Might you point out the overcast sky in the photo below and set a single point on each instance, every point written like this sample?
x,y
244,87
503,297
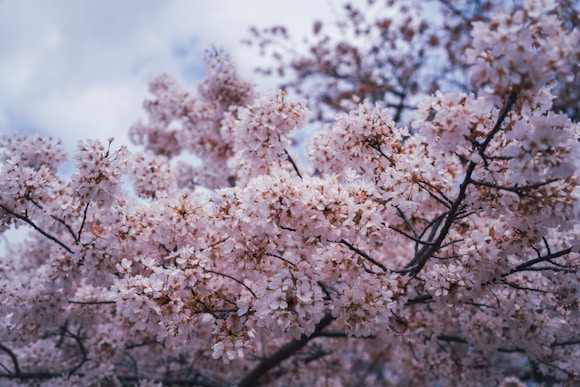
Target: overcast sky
x,y
79,69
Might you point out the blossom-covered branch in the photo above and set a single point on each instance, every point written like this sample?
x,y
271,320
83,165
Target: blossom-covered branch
x,y
442,252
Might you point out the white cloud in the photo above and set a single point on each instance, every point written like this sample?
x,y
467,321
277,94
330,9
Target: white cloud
x,y
79,69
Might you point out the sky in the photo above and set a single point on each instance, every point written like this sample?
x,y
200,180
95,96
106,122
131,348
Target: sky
x,y
78,69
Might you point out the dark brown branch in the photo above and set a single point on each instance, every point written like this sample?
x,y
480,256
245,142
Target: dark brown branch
x,y
434,226
516,189
252,379
12,357
519,287
280,258
25,219
451,338
550,268
31,375
497,127
84,357
364,255
423,298
91,302
566,343
417,240
83,223
55,218
443,199
131,346
524,266
452,243
195,381
407,222
293,164
343,335
547,245
378,149
419,261
233,279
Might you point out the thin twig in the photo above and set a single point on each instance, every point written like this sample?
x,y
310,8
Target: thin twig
x,y
84,359
91,302
519,190
280,258
417,240
293,164
252,378
526,265
233,279
83,222
25,219
443,199
364,255
378,149
13,358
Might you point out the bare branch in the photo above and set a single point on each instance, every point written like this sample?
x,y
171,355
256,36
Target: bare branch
x,y
280,258
443,199
83,222
364,255
526,265
293,164
91,302
520,190
84,357
13,358
378,149
233,279
419,241
282,354
27,220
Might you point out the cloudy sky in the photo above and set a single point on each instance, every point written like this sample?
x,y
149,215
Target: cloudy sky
x,y
79,69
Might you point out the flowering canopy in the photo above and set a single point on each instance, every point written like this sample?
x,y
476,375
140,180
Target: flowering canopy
x,y
447,251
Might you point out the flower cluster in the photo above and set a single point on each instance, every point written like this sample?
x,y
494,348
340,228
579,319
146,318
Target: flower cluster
x,y
152,175
502,55
287,304
170,103
447,255
180,122
28,165
454,121
32,151
365,306
98,171
261,135
375,142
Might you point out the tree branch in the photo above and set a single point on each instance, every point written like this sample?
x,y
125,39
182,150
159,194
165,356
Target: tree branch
x,y
83,223
293,164
364,255
84,356
528,264
282,354
518,190
419,261
91,302
25,219
233,279
12,357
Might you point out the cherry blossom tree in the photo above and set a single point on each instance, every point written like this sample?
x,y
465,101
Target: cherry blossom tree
x,y
390,51
446,252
